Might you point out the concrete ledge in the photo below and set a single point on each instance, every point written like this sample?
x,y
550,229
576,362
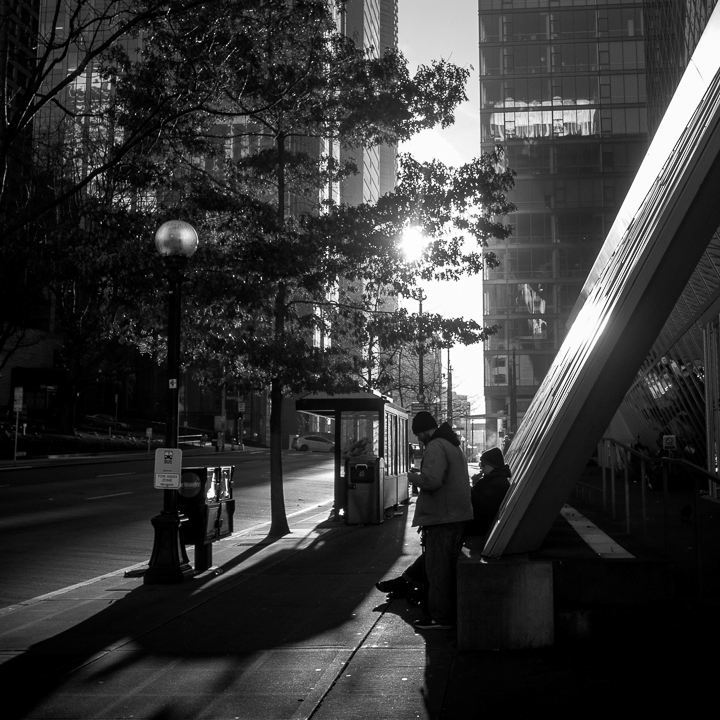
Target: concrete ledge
x,y
580,585
521,602
505,604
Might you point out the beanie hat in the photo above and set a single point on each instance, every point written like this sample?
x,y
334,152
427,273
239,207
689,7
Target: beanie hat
x,y
493,457
423,421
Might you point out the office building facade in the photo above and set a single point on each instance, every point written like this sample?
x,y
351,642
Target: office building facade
x,y
646,319
563,88
627,58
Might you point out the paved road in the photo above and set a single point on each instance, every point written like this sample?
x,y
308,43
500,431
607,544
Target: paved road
x,y
63,523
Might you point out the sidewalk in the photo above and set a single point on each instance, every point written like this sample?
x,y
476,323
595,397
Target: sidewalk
x,y
295,629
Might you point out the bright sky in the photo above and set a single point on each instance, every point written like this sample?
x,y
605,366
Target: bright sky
x,y
428,32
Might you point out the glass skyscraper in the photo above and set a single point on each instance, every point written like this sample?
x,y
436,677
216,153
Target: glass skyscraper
x,y
563,88
641,359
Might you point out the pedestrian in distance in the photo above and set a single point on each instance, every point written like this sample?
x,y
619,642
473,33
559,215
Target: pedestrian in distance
x,y
442,511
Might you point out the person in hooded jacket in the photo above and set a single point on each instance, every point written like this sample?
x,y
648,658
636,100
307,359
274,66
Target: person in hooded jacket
x,y
489,487
442,511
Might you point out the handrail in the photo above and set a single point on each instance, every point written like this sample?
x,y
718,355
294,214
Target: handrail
x,y
668,518
664,460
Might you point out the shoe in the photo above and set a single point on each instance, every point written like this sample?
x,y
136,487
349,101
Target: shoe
x,y
430,624
398,586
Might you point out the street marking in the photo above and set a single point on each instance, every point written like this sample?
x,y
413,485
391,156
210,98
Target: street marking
x,y
102,497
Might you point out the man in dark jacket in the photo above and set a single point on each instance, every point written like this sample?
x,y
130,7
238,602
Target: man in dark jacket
x,y
442,510
489,488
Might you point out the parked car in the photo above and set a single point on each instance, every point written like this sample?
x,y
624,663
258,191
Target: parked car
x,y
314,441
104,421
253,440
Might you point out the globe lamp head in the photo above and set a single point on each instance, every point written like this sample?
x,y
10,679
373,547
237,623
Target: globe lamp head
x,y
176,238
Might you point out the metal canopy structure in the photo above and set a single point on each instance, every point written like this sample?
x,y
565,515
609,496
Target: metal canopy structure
x,y
327,404
659,252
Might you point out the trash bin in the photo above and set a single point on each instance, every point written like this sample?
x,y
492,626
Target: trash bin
x,y
364,477
205,499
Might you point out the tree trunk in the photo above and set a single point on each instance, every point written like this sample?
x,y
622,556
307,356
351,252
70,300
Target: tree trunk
x,y
279,524
278,518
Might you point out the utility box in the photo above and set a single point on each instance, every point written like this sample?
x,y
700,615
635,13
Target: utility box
x,y
205,499
365,478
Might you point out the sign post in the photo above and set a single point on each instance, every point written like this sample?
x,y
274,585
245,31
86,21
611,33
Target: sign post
x,y
17,406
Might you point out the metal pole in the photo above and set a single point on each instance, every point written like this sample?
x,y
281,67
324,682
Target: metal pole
x,y
604,450
697,538
17,430
421,354
627,494
173,366
169,561
513,394
643,499
449,390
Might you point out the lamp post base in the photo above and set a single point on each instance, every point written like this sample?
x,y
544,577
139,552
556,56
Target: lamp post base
x,y
169,561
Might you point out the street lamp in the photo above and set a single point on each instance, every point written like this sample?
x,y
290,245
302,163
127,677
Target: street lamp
x,y
176,241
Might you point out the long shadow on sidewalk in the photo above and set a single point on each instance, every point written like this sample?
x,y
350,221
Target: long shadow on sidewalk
x,y
208,634
440,653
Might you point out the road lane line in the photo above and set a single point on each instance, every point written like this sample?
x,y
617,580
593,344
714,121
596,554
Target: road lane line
x,y
102,497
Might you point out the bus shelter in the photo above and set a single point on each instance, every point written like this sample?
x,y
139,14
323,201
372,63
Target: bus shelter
x,y
371,452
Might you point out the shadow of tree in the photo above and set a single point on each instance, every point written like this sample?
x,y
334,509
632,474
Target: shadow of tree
x,y
302,593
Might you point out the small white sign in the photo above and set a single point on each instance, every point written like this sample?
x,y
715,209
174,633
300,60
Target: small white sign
x,y
416,407
18,400
168,468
